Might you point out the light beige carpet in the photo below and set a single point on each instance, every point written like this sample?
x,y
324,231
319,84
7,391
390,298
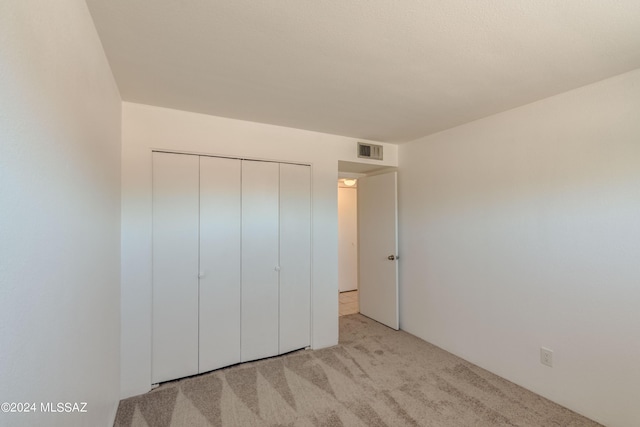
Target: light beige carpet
x,y
374,377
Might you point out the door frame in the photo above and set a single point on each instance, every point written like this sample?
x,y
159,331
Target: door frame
x,y
365,170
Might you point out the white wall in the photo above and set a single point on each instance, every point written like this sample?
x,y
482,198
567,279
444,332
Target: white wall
x,y
60,116
347,238
522,230
146,128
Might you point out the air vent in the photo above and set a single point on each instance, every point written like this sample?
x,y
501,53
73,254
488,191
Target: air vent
x,y
369,151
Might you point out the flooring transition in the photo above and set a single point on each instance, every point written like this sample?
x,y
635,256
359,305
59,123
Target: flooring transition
x,y
374,377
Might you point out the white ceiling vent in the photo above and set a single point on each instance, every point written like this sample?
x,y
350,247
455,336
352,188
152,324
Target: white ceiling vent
x,y
369,151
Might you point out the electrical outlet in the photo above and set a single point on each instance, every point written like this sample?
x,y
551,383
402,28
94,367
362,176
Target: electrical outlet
x,y
546,357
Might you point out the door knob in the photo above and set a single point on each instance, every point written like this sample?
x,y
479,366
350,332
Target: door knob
x,y
391,257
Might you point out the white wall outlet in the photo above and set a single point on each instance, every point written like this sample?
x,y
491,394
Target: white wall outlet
x,y
546,356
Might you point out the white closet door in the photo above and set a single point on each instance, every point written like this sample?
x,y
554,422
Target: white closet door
x,y
259,260
175,266
220,215
295,257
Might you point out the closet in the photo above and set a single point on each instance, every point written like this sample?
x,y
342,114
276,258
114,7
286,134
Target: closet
x,y
231,262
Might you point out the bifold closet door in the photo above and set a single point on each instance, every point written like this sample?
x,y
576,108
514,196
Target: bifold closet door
x,y
295,257
260,312
175,266
220,222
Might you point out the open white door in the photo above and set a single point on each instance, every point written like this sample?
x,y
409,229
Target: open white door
x,y
378,247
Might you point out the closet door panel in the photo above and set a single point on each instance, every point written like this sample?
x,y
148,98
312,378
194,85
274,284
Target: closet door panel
x,y
259,336
220,222
175,266
295,257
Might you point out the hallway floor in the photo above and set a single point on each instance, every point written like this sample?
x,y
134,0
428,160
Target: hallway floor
x,y
348,303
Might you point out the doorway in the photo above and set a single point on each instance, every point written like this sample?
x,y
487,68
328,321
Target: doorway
x,y
348,246
368,245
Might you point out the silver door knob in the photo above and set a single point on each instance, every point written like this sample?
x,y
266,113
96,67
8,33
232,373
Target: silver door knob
x,y
391,257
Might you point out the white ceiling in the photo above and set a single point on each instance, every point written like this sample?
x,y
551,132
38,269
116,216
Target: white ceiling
x,y
386,70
